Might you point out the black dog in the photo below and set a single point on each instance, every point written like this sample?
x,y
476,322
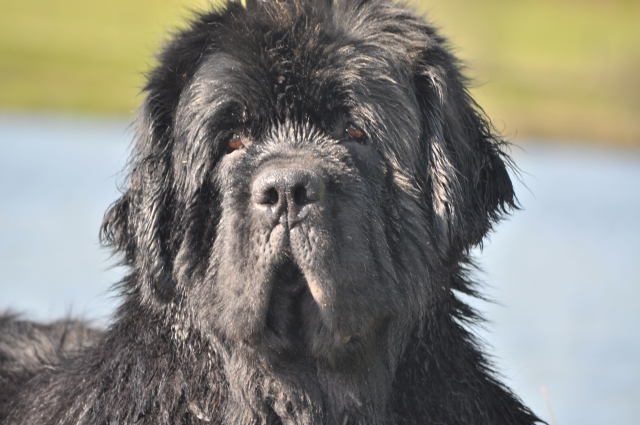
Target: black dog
x,y
306,183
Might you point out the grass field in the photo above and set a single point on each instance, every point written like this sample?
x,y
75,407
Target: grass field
x,y
561,69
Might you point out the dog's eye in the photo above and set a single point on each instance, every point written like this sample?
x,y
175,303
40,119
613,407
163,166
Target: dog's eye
x,y
235,142
356,133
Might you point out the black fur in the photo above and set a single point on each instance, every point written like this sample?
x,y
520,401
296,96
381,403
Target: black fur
x,y
308,275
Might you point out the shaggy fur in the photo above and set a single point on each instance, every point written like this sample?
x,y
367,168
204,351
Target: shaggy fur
x,y
306,182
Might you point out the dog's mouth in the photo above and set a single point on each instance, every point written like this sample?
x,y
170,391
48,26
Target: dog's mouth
x,y
289,303
305,296
294,329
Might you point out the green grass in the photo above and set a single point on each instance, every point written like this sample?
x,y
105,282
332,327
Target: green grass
x,y
564,69
81,55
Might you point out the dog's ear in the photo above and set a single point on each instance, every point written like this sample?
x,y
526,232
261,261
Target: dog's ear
x,y
138,226
467,182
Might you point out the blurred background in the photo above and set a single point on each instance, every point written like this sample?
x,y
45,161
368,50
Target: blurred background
x,y
559,78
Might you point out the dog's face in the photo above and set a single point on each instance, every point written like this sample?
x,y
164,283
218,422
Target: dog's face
x,y
314,138
304,180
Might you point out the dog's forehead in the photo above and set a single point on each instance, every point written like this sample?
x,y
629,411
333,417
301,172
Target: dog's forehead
x,y
306,68
279,75
282,59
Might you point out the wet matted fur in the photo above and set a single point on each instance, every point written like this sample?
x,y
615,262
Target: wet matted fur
x,y
306,182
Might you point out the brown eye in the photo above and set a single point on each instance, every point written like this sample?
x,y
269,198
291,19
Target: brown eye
x,y
235,142
355,133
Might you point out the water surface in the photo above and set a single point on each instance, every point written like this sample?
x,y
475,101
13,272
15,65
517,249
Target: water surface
x,y
565,269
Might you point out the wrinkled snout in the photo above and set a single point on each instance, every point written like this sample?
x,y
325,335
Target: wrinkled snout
x,y
287,195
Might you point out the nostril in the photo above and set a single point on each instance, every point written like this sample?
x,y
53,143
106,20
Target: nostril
x,y
300,196
271,197
310,190
266,195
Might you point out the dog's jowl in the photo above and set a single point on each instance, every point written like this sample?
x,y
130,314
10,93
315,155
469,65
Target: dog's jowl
x,y
306,182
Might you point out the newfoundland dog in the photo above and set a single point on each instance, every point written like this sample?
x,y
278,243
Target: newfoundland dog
x,y
306,183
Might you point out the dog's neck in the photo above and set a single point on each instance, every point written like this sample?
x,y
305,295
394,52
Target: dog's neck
x,y
261,392
185,377
211,381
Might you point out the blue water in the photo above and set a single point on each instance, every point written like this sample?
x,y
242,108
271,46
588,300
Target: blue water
x,y
565,270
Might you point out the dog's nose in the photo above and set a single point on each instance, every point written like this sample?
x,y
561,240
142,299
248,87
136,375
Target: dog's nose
x,y
287,194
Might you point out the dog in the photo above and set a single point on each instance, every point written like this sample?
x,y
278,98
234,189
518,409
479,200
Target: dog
x,y
305,185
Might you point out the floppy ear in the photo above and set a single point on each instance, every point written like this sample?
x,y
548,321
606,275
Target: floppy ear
x,y
140,223
136,224
467,180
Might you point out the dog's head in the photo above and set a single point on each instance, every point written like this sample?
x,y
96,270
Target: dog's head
x,y
305,176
